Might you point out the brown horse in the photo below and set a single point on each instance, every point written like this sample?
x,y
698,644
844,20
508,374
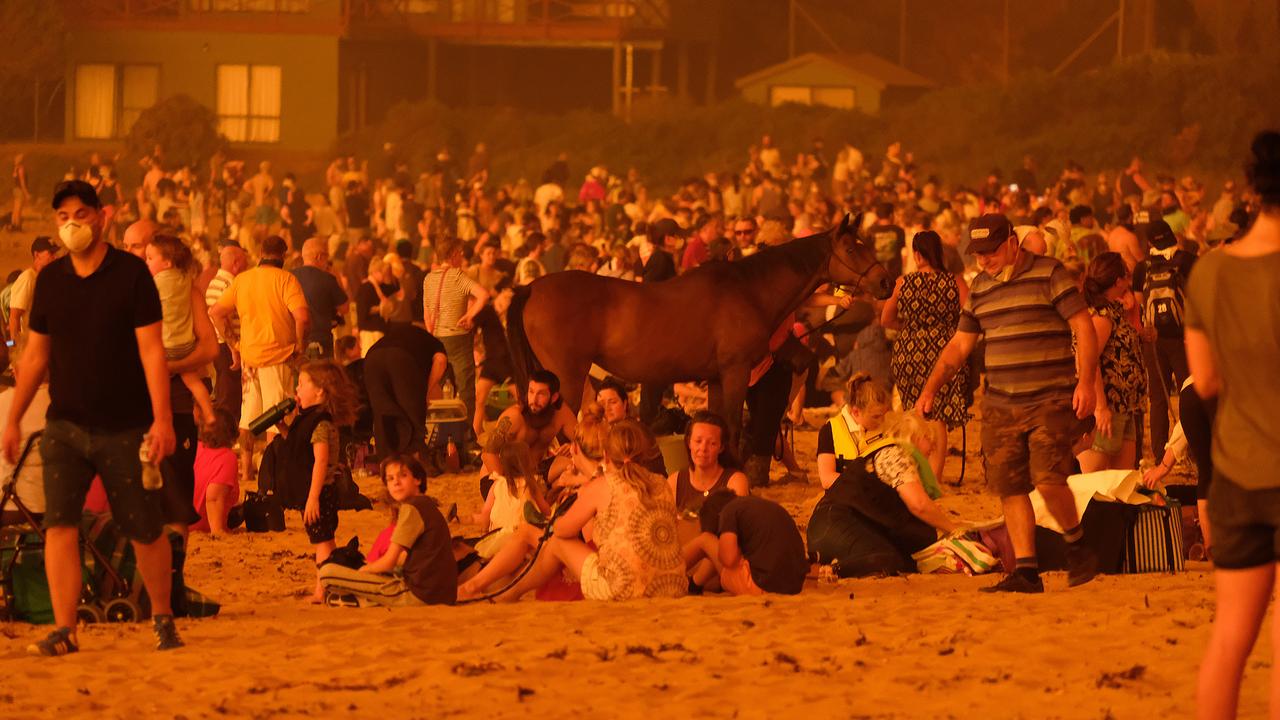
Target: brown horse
x,y
713,323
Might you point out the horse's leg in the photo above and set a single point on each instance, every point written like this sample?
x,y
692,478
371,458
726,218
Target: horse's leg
x,y
732,392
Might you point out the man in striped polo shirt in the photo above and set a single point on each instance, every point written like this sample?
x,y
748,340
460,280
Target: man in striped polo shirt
x,y
1038,390
450,302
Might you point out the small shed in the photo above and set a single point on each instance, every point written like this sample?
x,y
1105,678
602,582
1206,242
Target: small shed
x,y
849,82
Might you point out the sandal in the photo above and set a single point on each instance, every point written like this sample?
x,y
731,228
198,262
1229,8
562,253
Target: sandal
x,y
56,643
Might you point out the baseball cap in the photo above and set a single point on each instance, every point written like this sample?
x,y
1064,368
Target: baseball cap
x,y
988,232
665,227
1159,234
43,243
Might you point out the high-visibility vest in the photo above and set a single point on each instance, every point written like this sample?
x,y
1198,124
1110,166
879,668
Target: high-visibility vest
x,y
849,447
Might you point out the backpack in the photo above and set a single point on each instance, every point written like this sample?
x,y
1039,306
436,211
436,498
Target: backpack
x,y
1164,304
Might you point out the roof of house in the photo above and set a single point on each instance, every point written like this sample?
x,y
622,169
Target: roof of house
x,y
879,70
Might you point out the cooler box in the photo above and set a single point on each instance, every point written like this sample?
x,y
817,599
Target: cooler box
x,y
447,420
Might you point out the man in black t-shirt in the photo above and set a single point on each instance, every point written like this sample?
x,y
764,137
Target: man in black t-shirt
x,y
753,543
401,370
96,331
888,239
326,299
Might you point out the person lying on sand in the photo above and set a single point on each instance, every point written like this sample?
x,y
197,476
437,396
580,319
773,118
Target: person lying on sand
x,y
428,574
753,544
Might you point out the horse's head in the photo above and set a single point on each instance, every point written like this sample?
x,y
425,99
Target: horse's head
x,y
853,262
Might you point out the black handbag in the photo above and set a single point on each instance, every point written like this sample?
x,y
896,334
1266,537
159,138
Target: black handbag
x,y
262,512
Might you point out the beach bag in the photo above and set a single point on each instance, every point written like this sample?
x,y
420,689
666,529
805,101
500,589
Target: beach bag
x,y
955,554
263,512
25,596
1163,300
1155,540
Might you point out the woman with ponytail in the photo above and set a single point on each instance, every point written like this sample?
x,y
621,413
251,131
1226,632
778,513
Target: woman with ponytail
x,y
1122,385
1233,349
925,309
637,550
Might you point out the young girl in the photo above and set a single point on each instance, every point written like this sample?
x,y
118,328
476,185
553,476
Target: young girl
x,y
428,575
217,484
169,261
326,401
504,506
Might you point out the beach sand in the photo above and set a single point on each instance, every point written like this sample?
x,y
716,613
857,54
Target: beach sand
x,y
906,647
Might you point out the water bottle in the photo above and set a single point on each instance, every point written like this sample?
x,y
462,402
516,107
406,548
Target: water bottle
x,y
151,477
447,390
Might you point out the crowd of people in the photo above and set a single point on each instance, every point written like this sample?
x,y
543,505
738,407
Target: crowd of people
x,y
1064,305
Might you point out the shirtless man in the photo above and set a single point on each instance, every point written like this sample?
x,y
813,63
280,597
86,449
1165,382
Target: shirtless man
x,y
537,421
1121,238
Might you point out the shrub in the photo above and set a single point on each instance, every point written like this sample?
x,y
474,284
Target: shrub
x,y
184,129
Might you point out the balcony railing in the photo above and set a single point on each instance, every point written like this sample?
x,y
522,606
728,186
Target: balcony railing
x,y
445,18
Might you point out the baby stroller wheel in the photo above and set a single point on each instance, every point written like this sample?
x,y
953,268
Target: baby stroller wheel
x,y
123,610
89,615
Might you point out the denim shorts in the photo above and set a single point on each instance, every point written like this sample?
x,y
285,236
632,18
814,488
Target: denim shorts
x,y
1246,525
73,455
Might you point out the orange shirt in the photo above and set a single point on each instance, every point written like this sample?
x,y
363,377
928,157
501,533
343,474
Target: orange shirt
x,y
265,297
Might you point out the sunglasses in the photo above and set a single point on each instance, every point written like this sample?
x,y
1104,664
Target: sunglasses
x,y
744,232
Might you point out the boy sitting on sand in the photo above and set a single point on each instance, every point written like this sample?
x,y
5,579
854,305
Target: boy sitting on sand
x,y
753,544
428,575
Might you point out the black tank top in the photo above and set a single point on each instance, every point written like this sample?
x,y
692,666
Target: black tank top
x,y
689,498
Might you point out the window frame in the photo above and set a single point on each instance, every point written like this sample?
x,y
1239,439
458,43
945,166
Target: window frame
x,y
249,117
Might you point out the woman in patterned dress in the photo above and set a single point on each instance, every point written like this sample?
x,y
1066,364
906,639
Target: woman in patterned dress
x,y
1122,390
639,554
925,309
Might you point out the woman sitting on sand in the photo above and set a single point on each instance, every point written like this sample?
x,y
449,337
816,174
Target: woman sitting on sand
x,y
586,455
876,513
634,528
710,470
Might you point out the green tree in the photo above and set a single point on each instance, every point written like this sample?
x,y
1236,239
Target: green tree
x,y
185,130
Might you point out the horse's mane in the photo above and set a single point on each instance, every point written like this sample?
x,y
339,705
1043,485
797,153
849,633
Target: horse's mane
x,y
803,255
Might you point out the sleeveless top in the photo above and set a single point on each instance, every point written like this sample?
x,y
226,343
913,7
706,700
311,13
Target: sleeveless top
x,y
508,510
639,554
689,498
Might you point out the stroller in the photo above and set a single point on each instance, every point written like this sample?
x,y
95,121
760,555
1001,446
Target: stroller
x,y
105,596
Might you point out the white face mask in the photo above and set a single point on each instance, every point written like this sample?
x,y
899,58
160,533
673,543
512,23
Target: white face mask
x,y
77,237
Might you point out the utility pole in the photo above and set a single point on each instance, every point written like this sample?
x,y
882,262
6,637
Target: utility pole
x,y
1006,41
1120,32
791,29
902,33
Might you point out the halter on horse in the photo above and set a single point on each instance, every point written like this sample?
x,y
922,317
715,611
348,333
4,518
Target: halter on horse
x,y
713,323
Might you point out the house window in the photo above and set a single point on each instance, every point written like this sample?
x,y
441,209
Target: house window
x,y
836,97
249,103
139,90
781,94
95,101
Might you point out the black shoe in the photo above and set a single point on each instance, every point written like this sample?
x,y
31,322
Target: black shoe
x,y
1017,583
1082,564
55,643
166,633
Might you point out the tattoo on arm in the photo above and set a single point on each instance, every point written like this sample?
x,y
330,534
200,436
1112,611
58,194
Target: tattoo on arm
x,y
498,437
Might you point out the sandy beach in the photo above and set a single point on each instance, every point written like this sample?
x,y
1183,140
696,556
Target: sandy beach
x,y
906,647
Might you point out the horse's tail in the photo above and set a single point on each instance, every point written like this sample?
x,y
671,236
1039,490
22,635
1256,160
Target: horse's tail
x,y
523,361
